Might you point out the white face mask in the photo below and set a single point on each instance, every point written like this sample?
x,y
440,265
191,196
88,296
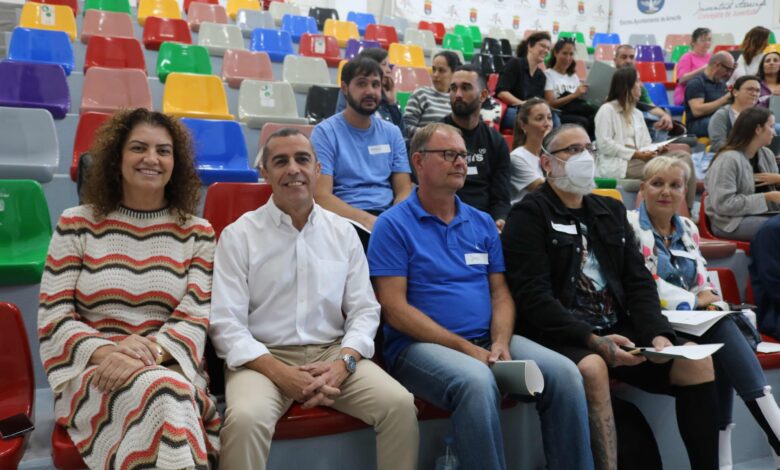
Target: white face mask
x,y
579,171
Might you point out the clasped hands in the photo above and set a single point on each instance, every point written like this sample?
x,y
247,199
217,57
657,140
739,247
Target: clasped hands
x,y
116,363
315,384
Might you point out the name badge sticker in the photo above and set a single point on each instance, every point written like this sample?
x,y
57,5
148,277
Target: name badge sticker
x,y
472,170
682,254
570,229
377,149
476,258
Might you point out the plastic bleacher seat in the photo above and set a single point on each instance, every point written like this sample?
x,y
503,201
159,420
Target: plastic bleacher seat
x,y
277,44
654,72
184,58
226,202
706,233
248,20
319,45
303,72
488,64
402,97
725,47
772,48
85,134
220,151
343,31
492,83
649,53
410,78
159,30
356,46
476,35
17,383
233,6
49,17
116,53
637,39
435,27
206,13
196,96
158,8
30,149
406,55
338,72
321,103
674,40
613,193
322,14
421,37
117,6
107,90
456,42
576,35
383,34
605,52
297,25
64,454
72,4
260,102
400,24
678,52
465,32
272,127
34,85
659,97
106,23
40,45
722,38
25,231
218,38
187,4
279,9
240,65
362,20
605,38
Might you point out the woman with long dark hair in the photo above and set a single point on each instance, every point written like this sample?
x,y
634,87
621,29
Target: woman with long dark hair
x,y
752,47
564,90
769,76
523,77
744,95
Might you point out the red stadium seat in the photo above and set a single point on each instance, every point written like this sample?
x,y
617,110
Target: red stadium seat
x,y
226,202
320,45
115,53
85,133
725,47
435,27
64,454
729,289
492,82
653,72
159,30
17,383
383,34
704,229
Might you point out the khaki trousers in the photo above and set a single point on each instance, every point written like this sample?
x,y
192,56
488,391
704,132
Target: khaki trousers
x,y
636,168
255,404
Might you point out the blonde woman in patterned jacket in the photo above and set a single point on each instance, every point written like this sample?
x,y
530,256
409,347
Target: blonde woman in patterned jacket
x,y
124,304
670,246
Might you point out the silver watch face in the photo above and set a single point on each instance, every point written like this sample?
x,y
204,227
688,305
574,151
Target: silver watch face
x,y
350,362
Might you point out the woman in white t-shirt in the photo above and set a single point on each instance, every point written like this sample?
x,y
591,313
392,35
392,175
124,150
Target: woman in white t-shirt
x,y
564,90
533,122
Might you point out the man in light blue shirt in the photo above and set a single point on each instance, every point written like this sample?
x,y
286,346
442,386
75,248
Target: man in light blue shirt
x,y
365,169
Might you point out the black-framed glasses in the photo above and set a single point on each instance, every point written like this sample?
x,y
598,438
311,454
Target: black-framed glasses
x,y
574,149
448,154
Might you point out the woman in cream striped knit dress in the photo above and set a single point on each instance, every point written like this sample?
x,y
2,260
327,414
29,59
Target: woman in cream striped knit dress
x,y
124,304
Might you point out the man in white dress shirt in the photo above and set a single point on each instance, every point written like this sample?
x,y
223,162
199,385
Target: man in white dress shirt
x,y
293,313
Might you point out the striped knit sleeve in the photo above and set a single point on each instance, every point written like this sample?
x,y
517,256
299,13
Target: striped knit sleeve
x,y
66,343
184,334
413,112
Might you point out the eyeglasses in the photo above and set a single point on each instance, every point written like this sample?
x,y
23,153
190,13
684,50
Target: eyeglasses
x,y
731,69
574,149
448,154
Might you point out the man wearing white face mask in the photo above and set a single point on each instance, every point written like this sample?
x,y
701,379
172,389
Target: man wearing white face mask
x,y
581,289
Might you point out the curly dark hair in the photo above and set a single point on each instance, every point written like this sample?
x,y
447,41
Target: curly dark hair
x,y
103,186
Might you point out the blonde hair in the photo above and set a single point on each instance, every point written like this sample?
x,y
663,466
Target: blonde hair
x,y
661,163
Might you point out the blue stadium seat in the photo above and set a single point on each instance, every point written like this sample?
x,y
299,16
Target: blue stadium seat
x,y
657,92
297,25
605,38
276,43
361,20
39,45
220,151
34,85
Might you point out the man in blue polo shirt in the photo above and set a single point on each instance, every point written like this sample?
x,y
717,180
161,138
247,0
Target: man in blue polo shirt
x,y
439,275
365,169
706,92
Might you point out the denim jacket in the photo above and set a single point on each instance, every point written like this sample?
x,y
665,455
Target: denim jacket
x,y
542,250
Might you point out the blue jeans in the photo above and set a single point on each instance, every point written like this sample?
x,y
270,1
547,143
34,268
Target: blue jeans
x,y
457,382
736,368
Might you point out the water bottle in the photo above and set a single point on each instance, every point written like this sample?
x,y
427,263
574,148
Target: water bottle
x,y
448,461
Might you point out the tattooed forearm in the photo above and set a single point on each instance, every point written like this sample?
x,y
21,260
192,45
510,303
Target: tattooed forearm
x,y
603,435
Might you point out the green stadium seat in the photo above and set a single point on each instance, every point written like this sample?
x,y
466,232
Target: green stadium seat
x,y
25,231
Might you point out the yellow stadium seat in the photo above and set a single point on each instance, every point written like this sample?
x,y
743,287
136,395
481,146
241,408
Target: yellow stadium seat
x,y
613,193
197,96
338,74
158,8
50,17
343,31
406,55
234,5
772,48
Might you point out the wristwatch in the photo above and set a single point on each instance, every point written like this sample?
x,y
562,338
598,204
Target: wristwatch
x,y
350,362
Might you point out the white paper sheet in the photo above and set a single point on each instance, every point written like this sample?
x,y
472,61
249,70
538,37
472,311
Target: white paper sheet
x,y
768,348
693,352
518,377
693,322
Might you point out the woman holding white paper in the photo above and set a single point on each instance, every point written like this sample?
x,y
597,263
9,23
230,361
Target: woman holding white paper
x,y
622,137
670,246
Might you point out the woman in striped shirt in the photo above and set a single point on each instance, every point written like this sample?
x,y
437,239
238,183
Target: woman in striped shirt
x,y
431,104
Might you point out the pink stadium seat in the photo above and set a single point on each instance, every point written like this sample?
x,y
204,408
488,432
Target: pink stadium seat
x,y
581,70
188,2
107,90
116,53
272,127
85,134
159,30
409,78
320,45
605,52
206,13
238,65
106,23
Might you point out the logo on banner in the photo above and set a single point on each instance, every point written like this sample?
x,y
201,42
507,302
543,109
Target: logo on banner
x,y
592,32
427,6
515,22
649,7
542,4
556,27
473,15
581,7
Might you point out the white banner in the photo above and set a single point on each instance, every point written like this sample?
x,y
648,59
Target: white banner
x,y
663,17
586,16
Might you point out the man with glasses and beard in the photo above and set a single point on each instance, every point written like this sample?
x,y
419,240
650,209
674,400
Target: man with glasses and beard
x,y
487,185
365,168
